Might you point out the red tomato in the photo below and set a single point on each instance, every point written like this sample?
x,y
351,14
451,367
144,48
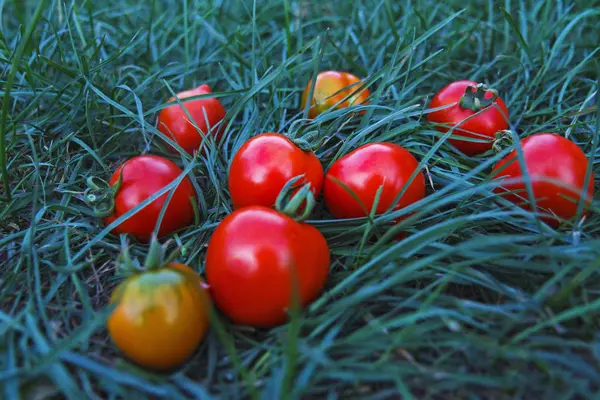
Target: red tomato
x,y
330,89
255,256
363,171
481,127
547,156
174,122
264,164
142,177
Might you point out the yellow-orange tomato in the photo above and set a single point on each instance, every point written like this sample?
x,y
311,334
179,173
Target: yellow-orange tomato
x,y
331,88
161,316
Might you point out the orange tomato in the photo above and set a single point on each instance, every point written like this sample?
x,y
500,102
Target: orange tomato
x,y
161,316
330,89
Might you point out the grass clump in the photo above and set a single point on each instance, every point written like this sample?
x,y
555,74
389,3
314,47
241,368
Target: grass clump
x,y
479,301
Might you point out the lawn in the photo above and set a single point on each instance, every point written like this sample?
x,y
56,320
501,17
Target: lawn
x,y
480,300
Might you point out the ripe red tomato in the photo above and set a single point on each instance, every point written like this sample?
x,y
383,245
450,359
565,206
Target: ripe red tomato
x,y
255,256
142,177
331,88
363,171
174,122
481,127
264,164
547,156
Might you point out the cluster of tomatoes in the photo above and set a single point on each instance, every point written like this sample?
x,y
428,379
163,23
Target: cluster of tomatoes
x,y
263,259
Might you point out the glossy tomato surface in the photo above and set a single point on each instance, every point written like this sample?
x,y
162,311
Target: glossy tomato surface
x,y
206,113
255,256
363,171
264,164
331,88
547,156
161,316
481,127
143,176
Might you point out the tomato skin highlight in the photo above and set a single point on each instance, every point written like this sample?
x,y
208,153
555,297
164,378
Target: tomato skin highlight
x,y
264,164
331,87
142,177
547,155
254,256
174,122
363,171
161,316
482,127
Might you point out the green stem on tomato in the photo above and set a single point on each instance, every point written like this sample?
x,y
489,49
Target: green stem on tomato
x,y
100,195
126,265
502,140
475,100
157,254
156,257
291,200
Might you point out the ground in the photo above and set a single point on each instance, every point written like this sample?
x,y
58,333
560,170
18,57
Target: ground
x,y
480,301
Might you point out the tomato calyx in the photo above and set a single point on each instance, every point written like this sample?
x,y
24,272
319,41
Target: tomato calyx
x,y
502,140
475,100
100,195
156,257
296,203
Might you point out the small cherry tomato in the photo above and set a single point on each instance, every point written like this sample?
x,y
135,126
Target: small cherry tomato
x,y
161,316
141,177
264,164
547,156
206,113
466,99
330,89
364,171
255,259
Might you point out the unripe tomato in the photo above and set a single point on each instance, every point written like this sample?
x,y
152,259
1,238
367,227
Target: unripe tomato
x,y
467,102
363,171
254,258
161,316
264,164
142,177
206,113
331,88
547,156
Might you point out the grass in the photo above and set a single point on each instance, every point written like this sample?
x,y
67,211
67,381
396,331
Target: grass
x,y
480,301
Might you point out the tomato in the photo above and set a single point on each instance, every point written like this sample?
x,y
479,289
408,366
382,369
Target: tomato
x,y
160,317
141,178
264,164
331,88
255,259
175,123
465,104
547,156
364,171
